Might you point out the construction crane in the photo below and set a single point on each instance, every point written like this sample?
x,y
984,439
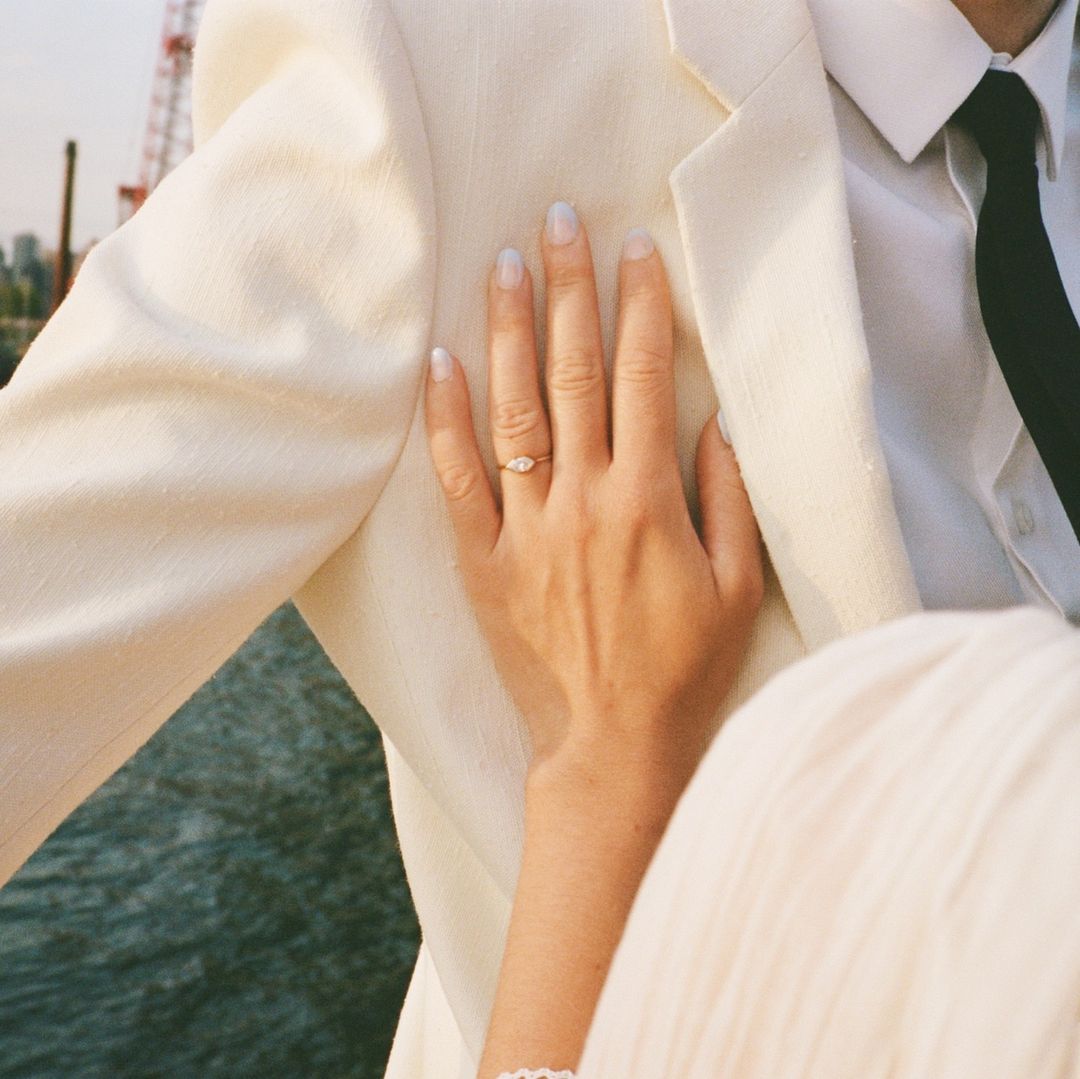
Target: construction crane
x,y
168,127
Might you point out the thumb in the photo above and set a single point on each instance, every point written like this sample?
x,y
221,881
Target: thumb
x,y
729,531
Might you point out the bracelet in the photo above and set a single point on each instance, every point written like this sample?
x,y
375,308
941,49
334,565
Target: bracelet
x,y
542,1073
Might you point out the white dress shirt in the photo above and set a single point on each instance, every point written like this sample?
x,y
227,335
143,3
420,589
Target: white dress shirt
x,y
981,520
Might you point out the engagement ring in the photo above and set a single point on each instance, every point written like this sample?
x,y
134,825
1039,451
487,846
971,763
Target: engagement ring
x,y
524,464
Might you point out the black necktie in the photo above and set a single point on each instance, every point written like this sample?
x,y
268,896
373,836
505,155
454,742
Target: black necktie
x,y
1031,326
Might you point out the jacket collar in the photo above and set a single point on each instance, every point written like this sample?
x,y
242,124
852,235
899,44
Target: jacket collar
x,y
763,218
734,45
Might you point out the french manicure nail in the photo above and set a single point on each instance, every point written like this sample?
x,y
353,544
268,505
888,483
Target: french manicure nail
x,y
562,223
442,366
722,424
637,245
509,268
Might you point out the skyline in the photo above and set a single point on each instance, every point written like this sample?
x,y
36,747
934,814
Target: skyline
x,y
81,72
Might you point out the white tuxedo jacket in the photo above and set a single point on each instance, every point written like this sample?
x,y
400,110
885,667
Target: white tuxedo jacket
x,y
227,409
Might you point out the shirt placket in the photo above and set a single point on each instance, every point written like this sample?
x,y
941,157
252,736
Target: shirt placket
x,y
1013,487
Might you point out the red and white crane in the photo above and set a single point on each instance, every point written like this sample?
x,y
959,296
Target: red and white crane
x,y
168,138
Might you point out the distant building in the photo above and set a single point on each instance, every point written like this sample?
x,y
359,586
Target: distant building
x,y
26,255
26,285
32,273
25,291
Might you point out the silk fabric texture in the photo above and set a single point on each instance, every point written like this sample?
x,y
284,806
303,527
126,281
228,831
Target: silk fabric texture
x,y
227,408
873,873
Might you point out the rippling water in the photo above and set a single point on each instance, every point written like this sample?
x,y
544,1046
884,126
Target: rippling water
x,y
231,903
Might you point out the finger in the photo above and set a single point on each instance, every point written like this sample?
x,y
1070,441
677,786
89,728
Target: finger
x,y
577,395
643,380
729,530
519,423
457,459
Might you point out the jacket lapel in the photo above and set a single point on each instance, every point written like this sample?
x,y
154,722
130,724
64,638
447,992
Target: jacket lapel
x,y
763,216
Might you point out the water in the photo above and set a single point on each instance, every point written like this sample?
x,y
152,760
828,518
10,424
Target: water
x,y
231,903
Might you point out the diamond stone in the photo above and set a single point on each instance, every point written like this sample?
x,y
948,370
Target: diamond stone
x,y
520,464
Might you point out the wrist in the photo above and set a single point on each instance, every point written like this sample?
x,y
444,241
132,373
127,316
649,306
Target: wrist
x,y
619,792
593,770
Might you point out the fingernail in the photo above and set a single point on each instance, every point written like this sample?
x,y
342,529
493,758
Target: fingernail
x,y
442,366
637,245
509,268
722,424
562,223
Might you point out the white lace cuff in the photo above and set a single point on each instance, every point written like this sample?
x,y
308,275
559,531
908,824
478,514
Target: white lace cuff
x,y
540,1073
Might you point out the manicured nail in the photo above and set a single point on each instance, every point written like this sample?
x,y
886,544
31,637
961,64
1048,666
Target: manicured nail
x,y
509,268
442,366
722,424
637,245
562,223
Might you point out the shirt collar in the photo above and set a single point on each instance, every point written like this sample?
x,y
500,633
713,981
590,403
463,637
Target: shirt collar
x,y
909,64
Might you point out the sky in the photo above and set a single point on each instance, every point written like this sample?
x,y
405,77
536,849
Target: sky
x,y
72,69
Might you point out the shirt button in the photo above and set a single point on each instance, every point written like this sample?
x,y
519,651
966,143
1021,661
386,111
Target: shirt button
x,y
1025,522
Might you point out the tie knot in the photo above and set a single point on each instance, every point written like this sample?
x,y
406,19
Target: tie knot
x,y
1003,116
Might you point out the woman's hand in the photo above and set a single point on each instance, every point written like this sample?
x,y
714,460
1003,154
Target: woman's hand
x,y
616,629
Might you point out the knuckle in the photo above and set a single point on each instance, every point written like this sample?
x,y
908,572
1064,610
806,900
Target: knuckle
x,y
645,364
637,502
638,511
576,373
581,530
572,515
640,286
487,585
569,276
509,321
743,586
515,419
459,482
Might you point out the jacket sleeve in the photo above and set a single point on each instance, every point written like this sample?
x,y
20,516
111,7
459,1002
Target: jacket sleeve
x,y
218,401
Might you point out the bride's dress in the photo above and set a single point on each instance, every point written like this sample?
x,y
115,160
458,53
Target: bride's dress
x,y
874,872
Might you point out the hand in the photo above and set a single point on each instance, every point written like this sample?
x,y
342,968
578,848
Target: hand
x,y
615,628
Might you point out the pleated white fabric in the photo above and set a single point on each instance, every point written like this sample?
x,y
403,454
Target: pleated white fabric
x,y
875,871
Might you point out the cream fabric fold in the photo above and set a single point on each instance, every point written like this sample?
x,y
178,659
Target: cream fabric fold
x,y
875,872
226,411
217,403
